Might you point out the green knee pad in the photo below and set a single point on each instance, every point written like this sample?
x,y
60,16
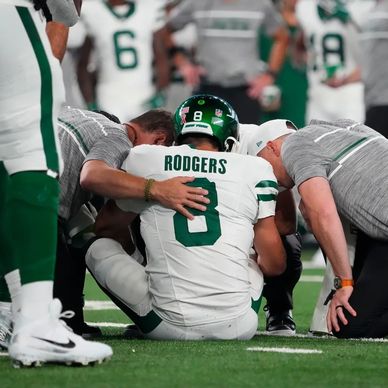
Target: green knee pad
x,y
31,218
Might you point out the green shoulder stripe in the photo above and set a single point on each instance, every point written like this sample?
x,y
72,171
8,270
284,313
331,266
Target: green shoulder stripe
x,y
268,183
266,197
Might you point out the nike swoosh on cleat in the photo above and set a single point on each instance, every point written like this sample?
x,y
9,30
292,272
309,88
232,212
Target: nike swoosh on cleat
x,y
68,345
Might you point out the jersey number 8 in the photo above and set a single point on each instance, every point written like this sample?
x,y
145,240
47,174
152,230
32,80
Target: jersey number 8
x,y
212,217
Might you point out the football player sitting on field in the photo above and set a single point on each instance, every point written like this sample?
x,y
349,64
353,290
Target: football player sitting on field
x,y
199,282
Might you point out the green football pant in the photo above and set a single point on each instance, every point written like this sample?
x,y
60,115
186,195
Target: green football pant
x,y
28,225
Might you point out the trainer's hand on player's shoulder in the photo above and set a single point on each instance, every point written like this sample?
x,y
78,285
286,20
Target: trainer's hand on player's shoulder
x,y
175,194
338,304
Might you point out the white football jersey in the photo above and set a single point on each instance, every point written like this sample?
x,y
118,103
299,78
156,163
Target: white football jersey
x,y
332,49
198,270
330,44
123,43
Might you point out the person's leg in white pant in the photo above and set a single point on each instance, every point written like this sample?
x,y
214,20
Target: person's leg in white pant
x,y
124,280
243,327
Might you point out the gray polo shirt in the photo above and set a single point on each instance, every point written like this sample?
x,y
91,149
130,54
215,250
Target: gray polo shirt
x,y
354,159
84,136
374,56
228,36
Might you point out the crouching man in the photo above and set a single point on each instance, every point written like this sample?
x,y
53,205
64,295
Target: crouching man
x,y
199,281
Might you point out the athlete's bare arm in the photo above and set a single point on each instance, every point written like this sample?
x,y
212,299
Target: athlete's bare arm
x,y
162,64
85,78
319,209
57,30
285,216
57,34
269,247
99,178
275,63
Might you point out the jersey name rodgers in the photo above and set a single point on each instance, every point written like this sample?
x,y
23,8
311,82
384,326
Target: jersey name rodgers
x,y
198,270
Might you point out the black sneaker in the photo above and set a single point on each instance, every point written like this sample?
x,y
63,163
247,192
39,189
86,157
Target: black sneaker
x,y
280,323
132,332
87,331
77,323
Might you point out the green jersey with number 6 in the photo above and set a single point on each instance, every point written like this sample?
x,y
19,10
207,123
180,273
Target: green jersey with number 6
x,y
198,270
123,45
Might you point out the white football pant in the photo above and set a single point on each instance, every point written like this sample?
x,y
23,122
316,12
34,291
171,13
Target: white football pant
x,y
127,280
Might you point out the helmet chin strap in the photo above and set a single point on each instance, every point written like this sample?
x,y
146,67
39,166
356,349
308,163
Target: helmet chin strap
x,y
235,145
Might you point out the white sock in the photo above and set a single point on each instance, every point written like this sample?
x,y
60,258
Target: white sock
x,y
36,298
14,286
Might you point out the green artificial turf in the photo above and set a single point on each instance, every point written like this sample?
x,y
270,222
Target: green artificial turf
x,y
142,363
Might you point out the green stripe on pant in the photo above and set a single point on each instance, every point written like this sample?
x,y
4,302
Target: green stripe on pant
x,y
46,91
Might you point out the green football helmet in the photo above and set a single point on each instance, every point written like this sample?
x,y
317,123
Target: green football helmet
x,y
208,115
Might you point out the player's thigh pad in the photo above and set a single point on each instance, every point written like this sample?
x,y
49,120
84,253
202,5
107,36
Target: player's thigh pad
x,y
120,274
31,92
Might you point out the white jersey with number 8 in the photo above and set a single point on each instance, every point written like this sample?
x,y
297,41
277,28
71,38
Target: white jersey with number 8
x,y
332,50
198,270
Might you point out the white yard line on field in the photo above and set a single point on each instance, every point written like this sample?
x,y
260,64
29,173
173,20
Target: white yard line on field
x,y
312,265
100,305
284,350
108,324
311,279
324,337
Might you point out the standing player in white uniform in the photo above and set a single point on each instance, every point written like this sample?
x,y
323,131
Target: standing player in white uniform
x,y
331,33
125,37
31,91
199,282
